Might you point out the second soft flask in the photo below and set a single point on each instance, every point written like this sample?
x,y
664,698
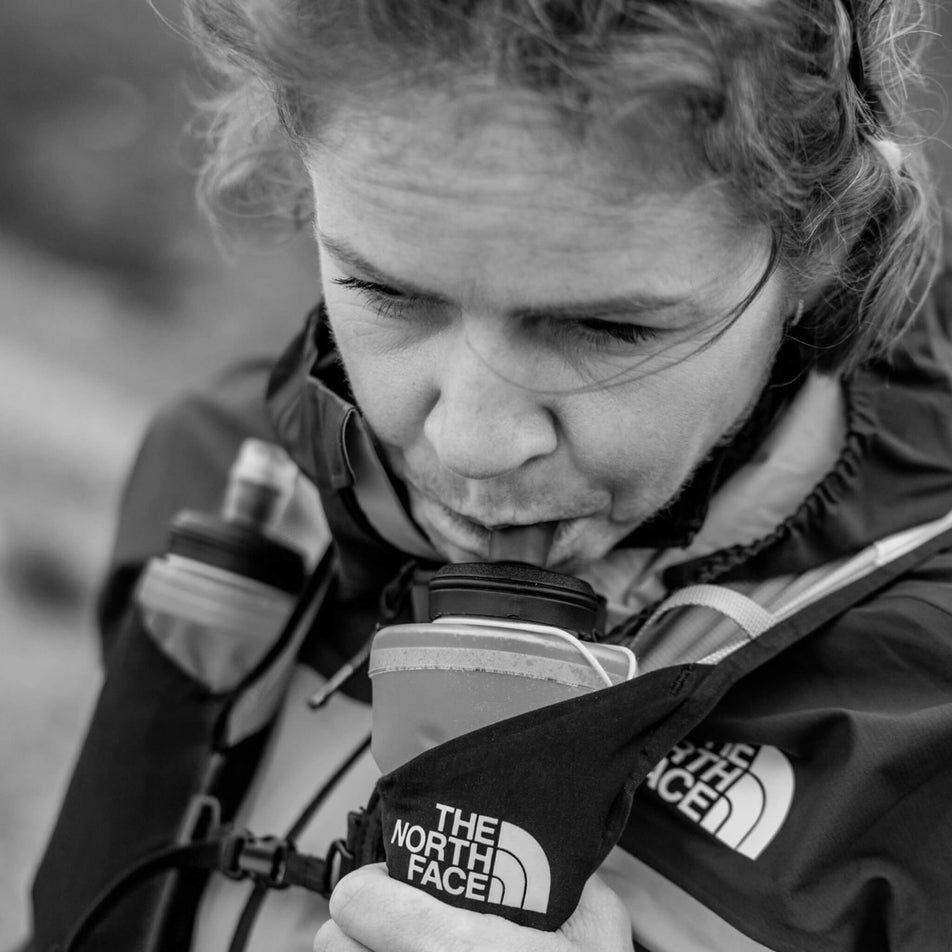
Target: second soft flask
x,y
220,596
213,605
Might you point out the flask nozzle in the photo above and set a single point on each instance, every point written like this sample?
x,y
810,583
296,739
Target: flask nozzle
x,y
528,544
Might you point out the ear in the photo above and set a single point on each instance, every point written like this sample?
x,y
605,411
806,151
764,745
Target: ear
x,y
891,153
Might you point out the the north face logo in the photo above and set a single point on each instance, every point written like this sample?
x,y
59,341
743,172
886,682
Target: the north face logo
x,y
738,792
476,856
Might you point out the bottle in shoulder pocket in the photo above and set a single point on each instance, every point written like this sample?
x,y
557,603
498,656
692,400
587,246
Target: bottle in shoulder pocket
x,y
221,594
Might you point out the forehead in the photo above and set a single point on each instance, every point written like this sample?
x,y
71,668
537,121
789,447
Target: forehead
x,y
472,133
500,182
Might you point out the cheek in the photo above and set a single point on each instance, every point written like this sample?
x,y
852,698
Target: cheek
x,y
662,424
721,384
627,434
390,384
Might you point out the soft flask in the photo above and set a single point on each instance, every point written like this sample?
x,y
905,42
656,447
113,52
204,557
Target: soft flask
x,y
503,639
218,598
482,726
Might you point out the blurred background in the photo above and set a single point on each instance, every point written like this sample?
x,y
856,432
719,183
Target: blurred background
x,y
113,295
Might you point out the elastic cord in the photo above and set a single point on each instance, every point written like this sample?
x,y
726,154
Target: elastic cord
x,y
201,855
593,662
565,636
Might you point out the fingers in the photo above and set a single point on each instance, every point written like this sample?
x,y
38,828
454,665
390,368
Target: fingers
x,y
372,911
390,916
330,938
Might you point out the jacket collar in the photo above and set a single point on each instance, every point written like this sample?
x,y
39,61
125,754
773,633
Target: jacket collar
x,y
894,469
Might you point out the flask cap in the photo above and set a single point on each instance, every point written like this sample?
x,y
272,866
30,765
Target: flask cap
x,y
519,592
237,548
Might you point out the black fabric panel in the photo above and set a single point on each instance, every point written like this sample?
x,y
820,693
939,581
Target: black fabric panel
x,y
564,775
147,750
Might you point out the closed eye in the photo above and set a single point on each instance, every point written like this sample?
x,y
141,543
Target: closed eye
x,y
370,287
620,331
388,301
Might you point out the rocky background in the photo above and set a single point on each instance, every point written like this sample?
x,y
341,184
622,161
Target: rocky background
x,y
113,295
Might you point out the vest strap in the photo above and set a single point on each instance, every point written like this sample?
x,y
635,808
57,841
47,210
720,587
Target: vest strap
x,y
744,611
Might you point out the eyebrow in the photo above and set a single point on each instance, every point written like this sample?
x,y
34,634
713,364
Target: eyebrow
x,y
637,302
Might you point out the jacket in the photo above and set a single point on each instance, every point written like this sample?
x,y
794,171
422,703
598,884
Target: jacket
x,y
796,796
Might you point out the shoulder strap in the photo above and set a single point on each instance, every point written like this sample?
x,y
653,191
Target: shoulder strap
x,y
158,740
256,700
750,609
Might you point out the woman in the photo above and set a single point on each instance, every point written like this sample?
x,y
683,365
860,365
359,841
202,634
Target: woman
x,y
658,279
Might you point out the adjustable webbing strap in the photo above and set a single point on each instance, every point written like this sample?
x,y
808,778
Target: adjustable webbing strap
x,y
239,854
744,611
270,862
752,608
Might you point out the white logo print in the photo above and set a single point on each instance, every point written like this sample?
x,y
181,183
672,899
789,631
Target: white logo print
x,y
477,856
738,792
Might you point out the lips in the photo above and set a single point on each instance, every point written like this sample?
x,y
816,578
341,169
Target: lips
x,y
487,523
485,527
464,539
489,526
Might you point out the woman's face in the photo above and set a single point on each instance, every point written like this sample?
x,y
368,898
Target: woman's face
x,y
532,336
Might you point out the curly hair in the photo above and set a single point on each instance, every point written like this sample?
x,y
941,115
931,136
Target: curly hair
x,y
799,107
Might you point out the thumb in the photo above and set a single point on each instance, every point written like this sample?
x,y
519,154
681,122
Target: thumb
x,y
600,920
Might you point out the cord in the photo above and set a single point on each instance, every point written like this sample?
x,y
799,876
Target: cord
x,y
565,636
252,907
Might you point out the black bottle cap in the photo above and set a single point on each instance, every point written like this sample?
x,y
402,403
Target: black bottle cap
x,y
519,592
237,548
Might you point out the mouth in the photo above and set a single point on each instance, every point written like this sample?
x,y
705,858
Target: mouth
x,y
489,528
485,527
526,541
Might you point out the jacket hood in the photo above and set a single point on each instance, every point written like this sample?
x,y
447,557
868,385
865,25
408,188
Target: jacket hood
x,y
895,468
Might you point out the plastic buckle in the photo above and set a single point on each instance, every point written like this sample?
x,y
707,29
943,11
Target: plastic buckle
x,y
263,859
338,863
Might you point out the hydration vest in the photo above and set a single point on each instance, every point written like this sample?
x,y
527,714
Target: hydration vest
x,y
147,816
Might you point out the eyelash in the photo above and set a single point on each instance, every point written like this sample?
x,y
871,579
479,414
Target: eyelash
x,y
385,301
389,303
596,331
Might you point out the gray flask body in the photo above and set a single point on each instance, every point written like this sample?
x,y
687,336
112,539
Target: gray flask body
x,y
433,682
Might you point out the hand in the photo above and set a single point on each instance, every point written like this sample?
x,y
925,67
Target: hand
x,y
371,911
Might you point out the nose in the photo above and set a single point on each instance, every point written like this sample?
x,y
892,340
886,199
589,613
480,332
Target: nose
x,y
483,422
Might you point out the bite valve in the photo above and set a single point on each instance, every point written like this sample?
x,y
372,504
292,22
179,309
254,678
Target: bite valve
x,y
260,484
528,544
